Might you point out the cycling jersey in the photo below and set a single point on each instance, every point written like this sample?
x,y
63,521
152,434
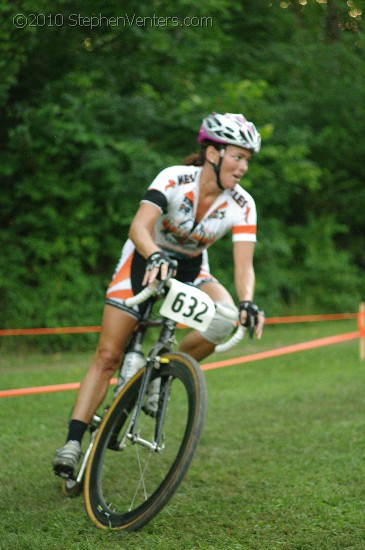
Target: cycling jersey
x,y
175,191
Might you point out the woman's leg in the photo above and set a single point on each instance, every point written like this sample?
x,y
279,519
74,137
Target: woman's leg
x,y
194,343
117,327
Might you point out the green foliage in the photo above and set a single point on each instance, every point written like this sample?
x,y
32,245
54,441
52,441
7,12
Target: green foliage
x,y
91,115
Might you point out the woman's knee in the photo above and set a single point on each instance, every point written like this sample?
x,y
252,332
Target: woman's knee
x,y
220,326
217,292
107,360
117,328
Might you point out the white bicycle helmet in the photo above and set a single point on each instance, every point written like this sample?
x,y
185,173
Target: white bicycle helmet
x,y
230,129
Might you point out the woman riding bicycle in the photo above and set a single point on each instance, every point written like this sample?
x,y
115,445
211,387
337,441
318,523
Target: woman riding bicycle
x,y
184,211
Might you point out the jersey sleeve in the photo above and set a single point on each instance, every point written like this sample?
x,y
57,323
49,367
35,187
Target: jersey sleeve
x,y
161,189
244,227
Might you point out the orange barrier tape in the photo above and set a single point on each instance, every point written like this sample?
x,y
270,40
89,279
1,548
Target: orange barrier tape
x,y
311,344
39,331
44,389
361,325
327,341
80,330
361,322
310,318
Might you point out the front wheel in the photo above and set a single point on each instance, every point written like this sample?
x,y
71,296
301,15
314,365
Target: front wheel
x,y
127,481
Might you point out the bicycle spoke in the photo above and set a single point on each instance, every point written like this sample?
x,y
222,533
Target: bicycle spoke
x,y
142,474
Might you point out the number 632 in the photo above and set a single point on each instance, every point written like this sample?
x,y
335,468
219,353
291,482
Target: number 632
x,y
188,306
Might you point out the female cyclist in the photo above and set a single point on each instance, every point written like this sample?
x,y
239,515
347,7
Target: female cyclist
x,y
184,211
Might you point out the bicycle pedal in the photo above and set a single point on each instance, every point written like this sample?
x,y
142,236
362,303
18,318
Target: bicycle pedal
x,y
65,472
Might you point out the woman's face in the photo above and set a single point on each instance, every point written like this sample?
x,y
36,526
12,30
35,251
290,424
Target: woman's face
x,y
234,165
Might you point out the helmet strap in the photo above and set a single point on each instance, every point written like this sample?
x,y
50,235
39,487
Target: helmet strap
x,y
217,167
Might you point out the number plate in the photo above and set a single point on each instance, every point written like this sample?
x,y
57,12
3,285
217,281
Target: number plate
x,y
188,305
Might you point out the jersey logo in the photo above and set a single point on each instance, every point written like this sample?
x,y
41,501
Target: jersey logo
x,y
219,213
240,200
171,183
181,234
187,203
187,178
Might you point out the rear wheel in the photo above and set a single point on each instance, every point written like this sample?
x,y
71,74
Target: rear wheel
x,y
127,482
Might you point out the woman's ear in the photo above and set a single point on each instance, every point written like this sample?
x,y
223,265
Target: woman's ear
x,y
211,154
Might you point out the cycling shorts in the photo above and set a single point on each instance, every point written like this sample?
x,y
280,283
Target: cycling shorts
x,y
130,270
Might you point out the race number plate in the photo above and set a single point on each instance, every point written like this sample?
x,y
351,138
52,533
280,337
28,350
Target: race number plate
x,y
188,305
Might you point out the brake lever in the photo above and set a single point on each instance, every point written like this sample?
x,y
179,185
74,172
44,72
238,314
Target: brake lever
x,y
171,272
251,328
161,287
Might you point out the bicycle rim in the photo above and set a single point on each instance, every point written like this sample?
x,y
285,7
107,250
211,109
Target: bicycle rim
x,y
125,489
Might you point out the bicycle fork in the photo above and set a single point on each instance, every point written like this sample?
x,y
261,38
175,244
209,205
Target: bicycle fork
x,y
132,433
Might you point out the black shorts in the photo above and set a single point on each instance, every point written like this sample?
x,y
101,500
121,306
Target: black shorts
x,y
187,272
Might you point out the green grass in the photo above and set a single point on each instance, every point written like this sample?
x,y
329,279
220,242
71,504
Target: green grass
x,y
280,464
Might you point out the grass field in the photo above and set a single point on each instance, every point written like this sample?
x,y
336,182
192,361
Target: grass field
x,y
280,464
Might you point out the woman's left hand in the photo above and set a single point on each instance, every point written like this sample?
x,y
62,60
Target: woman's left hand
x,y
252,318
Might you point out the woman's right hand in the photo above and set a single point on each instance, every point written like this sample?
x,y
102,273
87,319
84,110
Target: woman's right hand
x,y
159,266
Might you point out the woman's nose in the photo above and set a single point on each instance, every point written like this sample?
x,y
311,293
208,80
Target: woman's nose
x,y
243,166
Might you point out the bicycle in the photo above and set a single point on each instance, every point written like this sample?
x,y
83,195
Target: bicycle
x,y
135,461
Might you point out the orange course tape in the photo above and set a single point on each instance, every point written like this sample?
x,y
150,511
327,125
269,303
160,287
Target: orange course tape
x,y
327,341
44,389
309,318
80,330
39,331
361,325
294,348
361,320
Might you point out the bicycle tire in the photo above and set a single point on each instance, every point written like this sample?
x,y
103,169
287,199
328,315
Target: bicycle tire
x,y
116,496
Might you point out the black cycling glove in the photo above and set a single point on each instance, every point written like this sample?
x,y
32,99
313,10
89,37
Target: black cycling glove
x,y
160,258
252,311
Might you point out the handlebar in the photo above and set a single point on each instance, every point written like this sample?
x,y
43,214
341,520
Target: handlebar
x,y
143,295
148,292
236,337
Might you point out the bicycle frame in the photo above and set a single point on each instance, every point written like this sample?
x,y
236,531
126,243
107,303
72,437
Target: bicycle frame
x,y
163,345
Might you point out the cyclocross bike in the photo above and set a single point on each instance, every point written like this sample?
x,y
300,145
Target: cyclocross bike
x,y
135,461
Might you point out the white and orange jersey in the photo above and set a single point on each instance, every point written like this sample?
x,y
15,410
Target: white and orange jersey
x,y
176,192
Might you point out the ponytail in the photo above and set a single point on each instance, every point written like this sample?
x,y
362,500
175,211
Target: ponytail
x,y
198,159
193,160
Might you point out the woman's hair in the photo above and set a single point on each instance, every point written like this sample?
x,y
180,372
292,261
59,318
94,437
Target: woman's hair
x,y
194,159
198,158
